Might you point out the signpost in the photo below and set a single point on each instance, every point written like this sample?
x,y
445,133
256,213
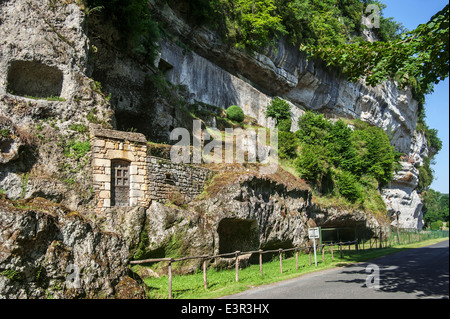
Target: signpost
x,y
314,233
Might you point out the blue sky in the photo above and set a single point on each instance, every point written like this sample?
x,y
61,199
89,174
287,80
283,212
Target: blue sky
x,y
411,13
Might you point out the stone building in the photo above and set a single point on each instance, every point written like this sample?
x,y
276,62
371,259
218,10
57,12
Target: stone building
x,y
125,175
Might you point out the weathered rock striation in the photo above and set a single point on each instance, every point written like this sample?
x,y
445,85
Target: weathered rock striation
x,y
57,254
217,74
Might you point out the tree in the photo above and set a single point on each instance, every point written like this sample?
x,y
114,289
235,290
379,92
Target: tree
x,y
279,110
436,206
421,54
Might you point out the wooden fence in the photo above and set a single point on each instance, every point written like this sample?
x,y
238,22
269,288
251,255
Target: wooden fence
x,y
236,255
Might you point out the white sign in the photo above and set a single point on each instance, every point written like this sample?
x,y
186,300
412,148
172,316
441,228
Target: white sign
x,y
313,233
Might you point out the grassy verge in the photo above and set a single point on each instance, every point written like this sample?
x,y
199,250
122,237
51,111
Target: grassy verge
x,y
222,283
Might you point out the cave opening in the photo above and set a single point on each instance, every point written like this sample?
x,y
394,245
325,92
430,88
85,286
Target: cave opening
x,y
238,235
34,79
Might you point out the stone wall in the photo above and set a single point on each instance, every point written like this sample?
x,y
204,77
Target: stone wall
x,y
109,145
150,177
168,179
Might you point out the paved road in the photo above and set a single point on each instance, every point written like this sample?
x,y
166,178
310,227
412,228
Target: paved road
x,y
410,274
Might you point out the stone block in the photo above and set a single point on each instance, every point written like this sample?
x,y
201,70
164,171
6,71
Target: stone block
x,y
133,170
137,179
105,194
101,178
110,145
101,162
106,202
99,143
136,193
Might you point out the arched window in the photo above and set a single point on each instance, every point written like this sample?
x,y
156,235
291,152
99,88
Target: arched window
x,y
120,183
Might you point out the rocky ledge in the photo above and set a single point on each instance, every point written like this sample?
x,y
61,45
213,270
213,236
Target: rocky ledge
x,y
50,252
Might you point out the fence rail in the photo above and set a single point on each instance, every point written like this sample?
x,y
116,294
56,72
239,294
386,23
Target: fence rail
x,y
236,255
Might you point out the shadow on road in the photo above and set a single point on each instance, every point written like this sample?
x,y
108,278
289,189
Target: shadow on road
x,y
421,271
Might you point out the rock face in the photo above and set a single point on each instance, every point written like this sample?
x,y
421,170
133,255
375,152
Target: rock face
x,y
402,199
48,101
46,92
56,254
250,214
216,73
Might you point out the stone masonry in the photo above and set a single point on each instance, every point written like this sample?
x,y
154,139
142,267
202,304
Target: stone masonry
x,y
150,177
166,178
109,145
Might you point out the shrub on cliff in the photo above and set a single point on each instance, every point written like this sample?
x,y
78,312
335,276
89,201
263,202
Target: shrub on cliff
x,y
278,109
287,144
339,160
235,113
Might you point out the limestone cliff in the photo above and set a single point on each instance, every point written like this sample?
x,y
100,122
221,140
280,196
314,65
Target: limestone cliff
x,y
59,74
217,74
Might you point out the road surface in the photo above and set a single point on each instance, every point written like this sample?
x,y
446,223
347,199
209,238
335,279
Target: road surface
x,y
411,274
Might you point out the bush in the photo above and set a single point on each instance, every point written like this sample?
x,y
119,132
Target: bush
x,y
235,113
287,144
437,225
309,163
284,125
348,186
313,128
278,110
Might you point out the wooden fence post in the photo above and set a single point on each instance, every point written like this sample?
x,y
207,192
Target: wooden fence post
x,y
205,281
323,253
340,248
296,259
381,238
237,265
170,279
260,262
280,251
332,256
310,256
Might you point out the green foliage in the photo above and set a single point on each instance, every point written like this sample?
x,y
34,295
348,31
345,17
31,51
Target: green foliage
x,y
78,127
342,161
322,22
141,250
278,109
347,185
5,133
139,34
435,206
421,54
12,274
77,149
256,24
284,125
312,128
426,175
287,144
235,113
310,163
434,142
248,24
436,225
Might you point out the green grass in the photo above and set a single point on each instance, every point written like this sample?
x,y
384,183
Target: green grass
x,y
222,283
